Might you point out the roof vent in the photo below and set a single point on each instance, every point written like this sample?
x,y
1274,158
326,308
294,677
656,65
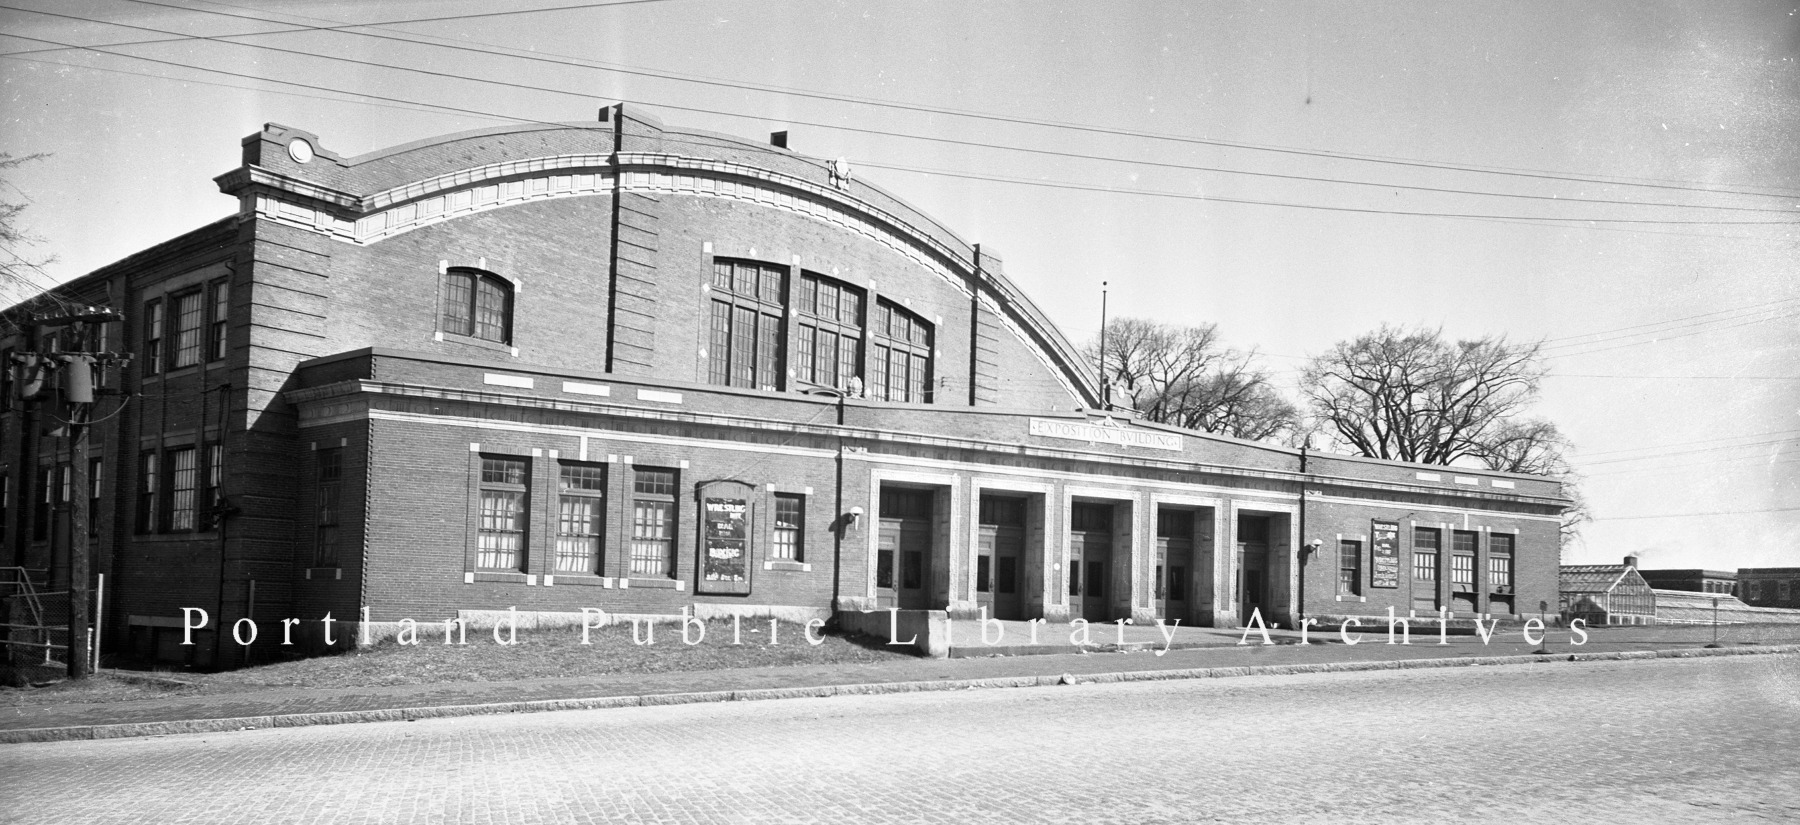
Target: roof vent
x,y
778,140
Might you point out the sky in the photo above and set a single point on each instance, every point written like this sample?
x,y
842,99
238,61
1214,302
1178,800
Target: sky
x,y
1618,180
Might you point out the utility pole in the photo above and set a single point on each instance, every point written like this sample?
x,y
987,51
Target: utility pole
x,y
76,367
1105,382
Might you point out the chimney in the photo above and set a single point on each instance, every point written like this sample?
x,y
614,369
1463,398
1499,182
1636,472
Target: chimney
x,y
778,140
1631,561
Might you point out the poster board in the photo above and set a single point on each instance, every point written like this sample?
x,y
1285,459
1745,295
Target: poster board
x,y
725,545
1385,571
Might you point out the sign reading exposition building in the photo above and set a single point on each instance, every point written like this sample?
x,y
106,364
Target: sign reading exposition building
x,y
1105,431
1386,572
724,538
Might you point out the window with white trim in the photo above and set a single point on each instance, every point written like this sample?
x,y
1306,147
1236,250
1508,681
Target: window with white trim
x,y
477,304
789,543
505,487
829,342
1425,554
1500,560
652,522
580,517
901,359
1349,567
327,498
744,347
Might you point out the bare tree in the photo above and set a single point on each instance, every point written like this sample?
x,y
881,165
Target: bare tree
x,y
1185,376
21,275
1410,395
1537,447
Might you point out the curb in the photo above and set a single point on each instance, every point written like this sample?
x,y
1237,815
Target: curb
x,y
295,720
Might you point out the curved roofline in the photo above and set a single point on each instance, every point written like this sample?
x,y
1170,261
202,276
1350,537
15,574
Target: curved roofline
x,y
516,128
630,136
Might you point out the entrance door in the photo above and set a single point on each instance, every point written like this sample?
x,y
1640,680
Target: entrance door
x,y
903,549
1174,557
1253,567
1090,557
997,565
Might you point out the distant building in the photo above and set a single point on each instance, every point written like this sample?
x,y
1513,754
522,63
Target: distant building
x,y
1698,581
1606,594
1770,586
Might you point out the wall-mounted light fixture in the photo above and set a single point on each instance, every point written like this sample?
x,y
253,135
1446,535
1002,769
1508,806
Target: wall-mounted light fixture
x,y
853,519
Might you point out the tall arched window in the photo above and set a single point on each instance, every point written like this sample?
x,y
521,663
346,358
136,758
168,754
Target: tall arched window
x,y
744,348
478,304
828,348
902,357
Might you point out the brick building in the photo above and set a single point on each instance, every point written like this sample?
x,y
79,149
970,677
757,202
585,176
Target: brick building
x,y
1769,586
1697,581
641,368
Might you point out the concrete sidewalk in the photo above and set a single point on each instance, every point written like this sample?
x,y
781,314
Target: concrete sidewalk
x,y
278,707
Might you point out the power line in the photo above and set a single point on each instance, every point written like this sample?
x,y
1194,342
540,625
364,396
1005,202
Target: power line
x,y
951,141
1687,515
1292,205
1652,471
568,60
1673,337
1406,213
396,100
1682,377
1661,456
1671,325
1752,307
1701,441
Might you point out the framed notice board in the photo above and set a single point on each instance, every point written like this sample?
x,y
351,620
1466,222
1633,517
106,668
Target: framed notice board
x,y
1386,546
725,537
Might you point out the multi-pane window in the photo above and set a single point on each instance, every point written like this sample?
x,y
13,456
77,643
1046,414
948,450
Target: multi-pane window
x,y
829,344
1462,571
45,501
1500,560
744,348
652,522
331,475
184,478
1349,567
215,475
789,545
902,356
580,512
1462,560
149,482
153,337
478,304
1425,554
189,310
500,545
220,301
94,486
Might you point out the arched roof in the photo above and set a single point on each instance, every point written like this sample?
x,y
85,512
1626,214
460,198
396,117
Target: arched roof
x,y
370,197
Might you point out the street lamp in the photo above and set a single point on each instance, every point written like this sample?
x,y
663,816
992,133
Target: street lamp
x,y
1715,623
1306,550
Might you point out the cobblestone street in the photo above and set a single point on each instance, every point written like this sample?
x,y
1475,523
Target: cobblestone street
x,y
1645,741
